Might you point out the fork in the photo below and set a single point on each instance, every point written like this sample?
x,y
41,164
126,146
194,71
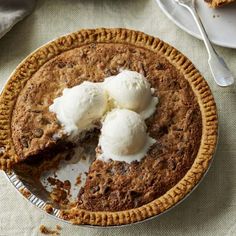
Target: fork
x,y
220,71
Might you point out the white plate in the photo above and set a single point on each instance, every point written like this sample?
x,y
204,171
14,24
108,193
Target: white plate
x,y
219,23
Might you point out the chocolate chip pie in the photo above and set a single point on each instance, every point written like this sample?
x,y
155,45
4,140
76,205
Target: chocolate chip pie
x,y
184,123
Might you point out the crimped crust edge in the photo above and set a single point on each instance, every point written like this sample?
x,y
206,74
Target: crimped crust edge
x,y
33,62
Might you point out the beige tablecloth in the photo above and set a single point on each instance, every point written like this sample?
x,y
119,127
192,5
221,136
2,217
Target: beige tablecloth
x,y
211,209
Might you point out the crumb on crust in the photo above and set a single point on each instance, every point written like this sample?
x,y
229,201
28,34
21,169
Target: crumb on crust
x,y
48,208
25,192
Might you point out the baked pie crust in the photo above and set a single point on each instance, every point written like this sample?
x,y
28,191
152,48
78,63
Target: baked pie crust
x,y
218,3
17,81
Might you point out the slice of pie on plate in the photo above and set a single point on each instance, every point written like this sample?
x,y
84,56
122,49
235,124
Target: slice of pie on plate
x,y
184,124
218,3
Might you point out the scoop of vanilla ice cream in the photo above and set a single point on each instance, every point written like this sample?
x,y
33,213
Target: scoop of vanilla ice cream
x,y
80,106
124,137
130,90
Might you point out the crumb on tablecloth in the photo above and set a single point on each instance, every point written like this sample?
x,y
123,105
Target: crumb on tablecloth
x,y
45,230
58,227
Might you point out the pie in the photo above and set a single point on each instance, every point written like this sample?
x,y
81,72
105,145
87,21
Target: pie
x,y
218,3
184,124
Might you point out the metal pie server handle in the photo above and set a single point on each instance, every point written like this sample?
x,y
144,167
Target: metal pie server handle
x,y
220,71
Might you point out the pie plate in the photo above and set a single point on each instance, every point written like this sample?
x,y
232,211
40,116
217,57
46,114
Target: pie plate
x,y
37,190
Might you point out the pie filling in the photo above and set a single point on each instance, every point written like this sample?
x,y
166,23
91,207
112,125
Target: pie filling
x,y
111,185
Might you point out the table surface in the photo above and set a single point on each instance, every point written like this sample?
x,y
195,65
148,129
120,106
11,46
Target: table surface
x,y
211,208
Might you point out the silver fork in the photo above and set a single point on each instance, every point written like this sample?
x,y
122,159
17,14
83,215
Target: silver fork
x,y
220,71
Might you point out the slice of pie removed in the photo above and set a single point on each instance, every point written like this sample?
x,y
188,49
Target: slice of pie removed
x,y
218,3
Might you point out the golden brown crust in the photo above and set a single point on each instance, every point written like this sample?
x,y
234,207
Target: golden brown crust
x,y
205,99
176,124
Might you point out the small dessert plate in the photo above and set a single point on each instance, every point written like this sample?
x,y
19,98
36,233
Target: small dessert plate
x,y
219,23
